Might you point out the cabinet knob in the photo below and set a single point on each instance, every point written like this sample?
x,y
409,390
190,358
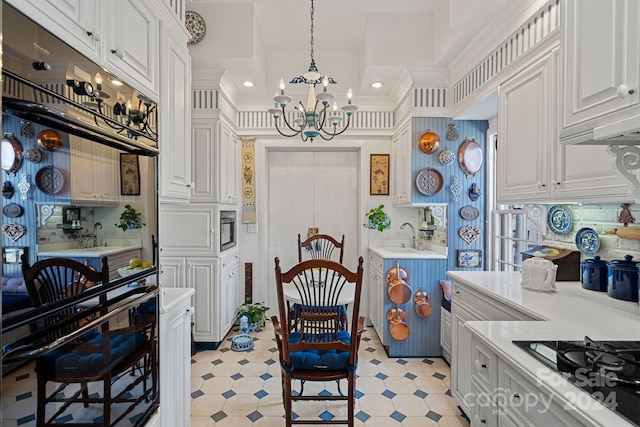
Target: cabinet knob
x,y
516,396
624,91
118,52
477,420
479,366
540,185
95,35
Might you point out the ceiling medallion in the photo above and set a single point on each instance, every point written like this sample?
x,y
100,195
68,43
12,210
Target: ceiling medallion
x,y
196,26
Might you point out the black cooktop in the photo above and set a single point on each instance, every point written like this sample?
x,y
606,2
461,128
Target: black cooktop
x,y
608,370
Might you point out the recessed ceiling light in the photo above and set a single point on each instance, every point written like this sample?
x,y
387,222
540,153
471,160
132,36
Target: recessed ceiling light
x,y
248,84
116,82
376,85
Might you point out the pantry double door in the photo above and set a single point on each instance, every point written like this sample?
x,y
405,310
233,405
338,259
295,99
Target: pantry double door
x,y
311,189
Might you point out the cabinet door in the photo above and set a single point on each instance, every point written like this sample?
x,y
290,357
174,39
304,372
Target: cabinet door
x,y
525,112
229,165
175,369
201,277
173,272
601,57
187,229
132,44
77,22
401,166
205,170
228,299
461,366
445,334
94,174
175,118
376,301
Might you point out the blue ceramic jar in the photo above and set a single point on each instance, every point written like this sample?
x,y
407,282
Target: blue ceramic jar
x,y
622,278
593,273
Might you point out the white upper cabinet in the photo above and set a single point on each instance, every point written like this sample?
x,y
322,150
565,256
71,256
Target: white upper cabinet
x,y
132,43
601,63
401,166
94,172
216,161
525,112
533,166
175,118
77,22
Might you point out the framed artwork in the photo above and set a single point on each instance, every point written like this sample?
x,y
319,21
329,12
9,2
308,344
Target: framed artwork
x,y
129,174
70,214
469,258
379,175
12,255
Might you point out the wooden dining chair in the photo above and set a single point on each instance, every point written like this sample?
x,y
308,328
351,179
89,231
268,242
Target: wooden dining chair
x,y
97,355
320,348
321,246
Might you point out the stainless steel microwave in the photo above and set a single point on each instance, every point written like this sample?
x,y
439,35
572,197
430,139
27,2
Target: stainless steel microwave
x,y
228,230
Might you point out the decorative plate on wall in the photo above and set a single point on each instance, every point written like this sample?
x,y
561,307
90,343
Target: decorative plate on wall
x,y
587,241
469,213
446,157
13,210
195,25
429,142
429,181
49,180
559,220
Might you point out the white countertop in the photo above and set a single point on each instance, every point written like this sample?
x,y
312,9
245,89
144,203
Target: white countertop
x,y
394,249
96,252
571,313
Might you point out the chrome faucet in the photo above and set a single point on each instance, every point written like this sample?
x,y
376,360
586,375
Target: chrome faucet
x,y
96,227
413,233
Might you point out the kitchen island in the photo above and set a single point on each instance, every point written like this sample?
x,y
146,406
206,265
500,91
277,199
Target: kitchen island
x,y
496,381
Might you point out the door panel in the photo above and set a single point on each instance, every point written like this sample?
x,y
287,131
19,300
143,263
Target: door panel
x,y
311,189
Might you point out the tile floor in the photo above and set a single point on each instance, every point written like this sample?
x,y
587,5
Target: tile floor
x,y
241,389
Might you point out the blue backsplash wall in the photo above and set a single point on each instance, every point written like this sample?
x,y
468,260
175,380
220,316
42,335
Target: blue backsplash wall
x,y
419,160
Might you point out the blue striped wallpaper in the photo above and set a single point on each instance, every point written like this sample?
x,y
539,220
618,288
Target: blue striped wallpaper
x,y
424,338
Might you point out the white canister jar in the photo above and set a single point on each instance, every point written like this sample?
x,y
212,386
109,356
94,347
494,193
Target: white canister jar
x,y
539,274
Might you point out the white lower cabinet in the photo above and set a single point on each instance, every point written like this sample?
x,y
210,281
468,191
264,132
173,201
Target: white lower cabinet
x,y
445,334
218,294
468,358
489,389
175,356
376,294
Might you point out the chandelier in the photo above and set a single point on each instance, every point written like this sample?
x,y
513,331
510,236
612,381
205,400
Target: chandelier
x,y
315,119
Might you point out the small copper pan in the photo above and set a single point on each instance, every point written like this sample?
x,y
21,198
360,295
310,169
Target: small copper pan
x,y
393,275
399,292
421,302
397,323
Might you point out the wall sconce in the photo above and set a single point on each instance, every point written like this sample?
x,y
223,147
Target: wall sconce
x,y
81,88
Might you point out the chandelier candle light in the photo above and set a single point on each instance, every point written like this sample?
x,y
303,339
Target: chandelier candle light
x,y
316,115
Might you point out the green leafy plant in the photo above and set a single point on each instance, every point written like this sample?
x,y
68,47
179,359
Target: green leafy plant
x,y
377,219
130,218
256,312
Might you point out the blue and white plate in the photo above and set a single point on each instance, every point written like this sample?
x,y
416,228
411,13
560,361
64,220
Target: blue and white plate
x,y
559,219
587,241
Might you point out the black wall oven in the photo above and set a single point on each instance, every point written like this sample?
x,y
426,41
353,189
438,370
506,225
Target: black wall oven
x,y
41,77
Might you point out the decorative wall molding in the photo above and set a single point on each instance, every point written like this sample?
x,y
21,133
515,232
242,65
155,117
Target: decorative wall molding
x,y
536,29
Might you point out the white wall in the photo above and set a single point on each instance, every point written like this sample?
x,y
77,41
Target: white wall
x,y
253,246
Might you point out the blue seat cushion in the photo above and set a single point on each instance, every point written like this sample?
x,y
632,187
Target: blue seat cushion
x,y
88,360
14,302
328,360
446,304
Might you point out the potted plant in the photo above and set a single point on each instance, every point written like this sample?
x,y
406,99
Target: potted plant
x,y
377,219
130,218
256,314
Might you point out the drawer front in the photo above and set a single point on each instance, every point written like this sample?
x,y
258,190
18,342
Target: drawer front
x,y
376,262
483,307
485,365
528,405
484,411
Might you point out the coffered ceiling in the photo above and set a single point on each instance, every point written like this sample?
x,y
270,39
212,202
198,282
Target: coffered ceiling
x,y
357,42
